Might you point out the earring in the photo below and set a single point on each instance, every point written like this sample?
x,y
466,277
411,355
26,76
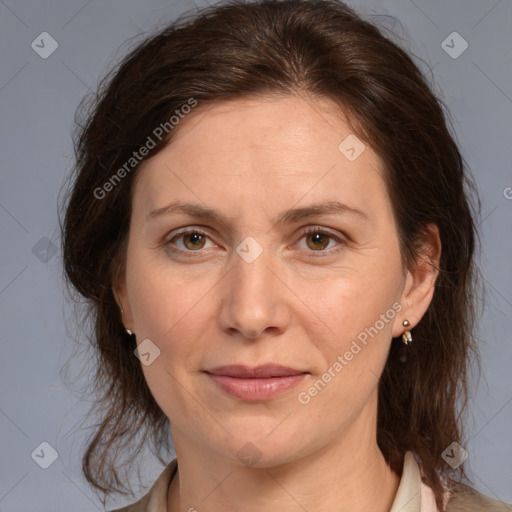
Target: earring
x,y
127,330
406,336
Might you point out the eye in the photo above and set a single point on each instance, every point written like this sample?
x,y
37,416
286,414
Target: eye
x,y
318,239
192,240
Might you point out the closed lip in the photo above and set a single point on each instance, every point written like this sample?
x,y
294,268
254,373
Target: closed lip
x,y
255,383
265,371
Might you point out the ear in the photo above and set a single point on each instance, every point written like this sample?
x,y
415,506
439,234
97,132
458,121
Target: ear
x,y
121,296
420,281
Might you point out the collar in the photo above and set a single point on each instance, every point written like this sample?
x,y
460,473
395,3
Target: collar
x,y
412,494
408,496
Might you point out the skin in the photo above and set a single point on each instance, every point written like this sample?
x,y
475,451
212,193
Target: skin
x,y
252,159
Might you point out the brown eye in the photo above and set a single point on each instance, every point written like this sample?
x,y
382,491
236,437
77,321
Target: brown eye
x,y
189,242
193,240
317,241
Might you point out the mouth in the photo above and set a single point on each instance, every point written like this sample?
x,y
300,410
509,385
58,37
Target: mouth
x,y
254,384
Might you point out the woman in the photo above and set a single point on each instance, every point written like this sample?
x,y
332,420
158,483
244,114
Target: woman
x,y
270,222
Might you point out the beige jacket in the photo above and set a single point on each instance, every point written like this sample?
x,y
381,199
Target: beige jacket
x,y
412,495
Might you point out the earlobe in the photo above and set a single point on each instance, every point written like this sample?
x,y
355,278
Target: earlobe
x,y
120,295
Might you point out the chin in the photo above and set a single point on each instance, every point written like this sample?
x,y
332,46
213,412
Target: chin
x,y
260,446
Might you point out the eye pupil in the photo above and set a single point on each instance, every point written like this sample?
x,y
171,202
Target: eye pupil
x,y
321,241
194,238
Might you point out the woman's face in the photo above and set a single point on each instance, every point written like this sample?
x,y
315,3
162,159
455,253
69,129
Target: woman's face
x,y
247,287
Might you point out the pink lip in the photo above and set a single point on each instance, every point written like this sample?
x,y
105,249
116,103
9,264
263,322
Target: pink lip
x,y
257,383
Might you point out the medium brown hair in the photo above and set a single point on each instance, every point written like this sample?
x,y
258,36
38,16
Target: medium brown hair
x,y
318,48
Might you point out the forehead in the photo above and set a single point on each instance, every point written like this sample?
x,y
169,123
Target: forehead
x,y
280,124
269,150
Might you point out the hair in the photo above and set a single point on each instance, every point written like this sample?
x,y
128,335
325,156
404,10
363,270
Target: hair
x,y
316,49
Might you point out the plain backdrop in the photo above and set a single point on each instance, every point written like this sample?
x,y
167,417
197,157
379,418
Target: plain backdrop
x,y
38,98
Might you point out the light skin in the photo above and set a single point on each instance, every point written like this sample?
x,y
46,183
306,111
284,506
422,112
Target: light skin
x,y
300,303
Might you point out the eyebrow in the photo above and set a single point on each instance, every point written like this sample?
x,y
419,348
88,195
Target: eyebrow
x,y
286,217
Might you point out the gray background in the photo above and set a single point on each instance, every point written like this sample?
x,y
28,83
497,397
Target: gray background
x,y
38,98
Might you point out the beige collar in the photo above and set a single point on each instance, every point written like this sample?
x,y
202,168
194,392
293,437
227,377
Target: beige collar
x,y
408,497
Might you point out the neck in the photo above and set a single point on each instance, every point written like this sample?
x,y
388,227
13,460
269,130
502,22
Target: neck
x,y
346,476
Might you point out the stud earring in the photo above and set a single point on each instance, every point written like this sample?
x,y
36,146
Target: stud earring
x,y
406,336
127,330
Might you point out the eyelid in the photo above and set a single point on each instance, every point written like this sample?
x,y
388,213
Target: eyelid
x,y
185,231
306,231
341,239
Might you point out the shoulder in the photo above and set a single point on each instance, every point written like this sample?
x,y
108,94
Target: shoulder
x,y
155,500
466,499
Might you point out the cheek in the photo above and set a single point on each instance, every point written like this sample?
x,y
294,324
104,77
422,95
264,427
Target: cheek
x,y
168,310
172,309
352,304
354,350
359,310
161,298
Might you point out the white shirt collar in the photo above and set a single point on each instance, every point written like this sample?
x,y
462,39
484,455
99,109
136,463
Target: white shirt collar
x,y
408,496
412,494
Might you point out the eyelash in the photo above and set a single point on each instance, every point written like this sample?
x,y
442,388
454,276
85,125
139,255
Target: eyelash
x,y
308,231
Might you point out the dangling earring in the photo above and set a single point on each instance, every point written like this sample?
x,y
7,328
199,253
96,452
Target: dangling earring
x,y
127,330
406,336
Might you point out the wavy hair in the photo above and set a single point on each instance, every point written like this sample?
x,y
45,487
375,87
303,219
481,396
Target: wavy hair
x,y
236,49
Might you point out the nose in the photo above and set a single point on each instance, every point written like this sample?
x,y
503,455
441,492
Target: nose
x,y
256,301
